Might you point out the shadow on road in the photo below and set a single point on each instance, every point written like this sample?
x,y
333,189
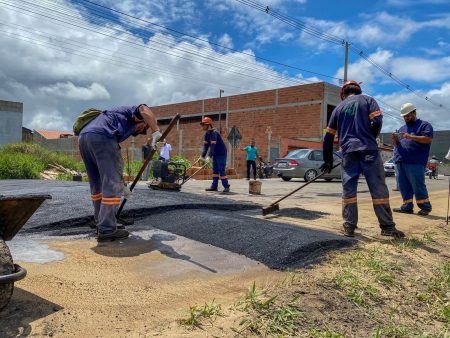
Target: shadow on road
x,y
299,213
25,307
136,246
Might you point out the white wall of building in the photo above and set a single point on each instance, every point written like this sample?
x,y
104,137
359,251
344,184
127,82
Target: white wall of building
x,y
11,114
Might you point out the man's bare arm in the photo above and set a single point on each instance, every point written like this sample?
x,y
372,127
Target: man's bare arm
x,y
149,117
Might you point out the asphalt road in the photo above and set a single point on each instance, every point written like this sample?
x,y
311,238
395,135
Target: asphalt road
x,y
198,216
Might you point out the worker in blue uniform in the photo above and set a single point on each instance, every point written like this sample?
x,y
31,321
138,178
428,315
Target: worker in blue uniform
x,y
100,150
412,147
218,152
357,121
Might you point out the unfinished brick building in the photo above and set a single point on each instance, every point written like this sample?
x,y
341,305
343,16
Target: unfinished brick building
x,y
279,120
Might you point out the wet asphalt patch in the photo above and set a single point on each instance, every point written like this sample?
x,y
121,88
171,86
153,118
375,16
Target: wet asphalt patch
x,y
222,223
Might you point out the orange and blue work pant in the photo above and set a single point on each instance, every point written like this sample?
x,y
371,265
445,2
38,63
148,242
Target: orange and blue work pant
x,y
219,171
368,163
104,165
411,180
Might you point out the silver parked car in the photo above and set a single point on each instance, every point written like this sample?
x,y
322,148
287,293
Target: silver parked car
x,y
389,167
305,163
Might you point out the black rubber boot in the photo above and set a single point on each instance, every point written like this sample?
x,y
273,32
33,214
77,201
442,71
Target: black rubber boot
x,y
403,211
392,232
118,234
423,212
348,231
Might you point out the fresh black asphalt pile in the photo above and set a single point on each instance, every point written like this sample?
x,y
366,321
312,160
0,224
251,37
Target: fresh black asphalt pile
x,y
224,224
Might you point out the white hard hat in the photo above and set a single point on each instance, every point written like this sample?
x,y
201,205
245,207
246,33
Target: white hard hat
x,y
407,108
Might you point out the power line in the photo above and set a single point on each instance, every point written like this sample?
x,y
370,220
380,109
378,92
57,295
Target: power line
x,y
140,63
210,42
333,39
268,76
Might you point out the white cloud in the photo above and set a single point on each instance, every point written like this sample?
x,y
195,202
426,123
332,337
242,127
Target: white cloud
x,y
226,41
70,91
49,120
421,69
438,117
82,69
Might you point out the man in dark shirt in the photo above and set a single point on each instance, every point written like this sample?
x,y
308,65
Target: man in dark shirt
x,y
412,147
99,148
218,152
357,121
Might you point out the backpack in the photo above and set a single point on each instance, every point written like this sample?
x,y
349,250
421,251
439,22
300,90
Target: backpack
x,y
84,118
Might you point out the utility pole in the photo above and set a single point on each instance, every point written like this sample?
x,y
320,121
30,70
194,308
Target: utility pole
x,y
346,61
220,110
269,141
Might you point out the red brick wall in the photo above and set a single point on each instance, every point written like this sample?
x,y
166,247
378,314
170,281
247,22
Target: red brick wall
x,y
251,113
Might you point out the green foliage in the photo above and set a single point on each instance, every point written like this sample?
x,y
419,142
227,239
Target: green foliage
x,y
318,333
266,317
19,166
26,161
181,160
198,314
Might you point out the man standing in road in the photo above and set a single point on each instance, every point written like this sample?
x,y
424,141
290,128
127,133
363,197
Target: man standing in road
x,y
412,147
99,147
164,153
252,153
357,120
218,151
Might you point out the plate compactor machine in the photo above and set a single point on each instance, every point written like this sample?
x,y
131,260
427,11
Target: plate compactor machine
x,y
168,175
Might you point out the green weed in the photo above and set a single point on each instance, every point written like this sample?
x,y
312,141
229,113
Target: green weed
x,y
198,314
318,333
266,317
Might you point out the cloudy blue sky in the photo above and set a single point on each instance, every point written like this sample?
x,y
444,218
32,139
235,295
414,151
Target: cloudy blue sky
x,y
61,56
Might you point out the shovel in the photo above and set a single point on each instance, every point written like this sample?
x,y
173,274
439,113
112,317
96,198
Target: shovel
x,y
275,206
149,158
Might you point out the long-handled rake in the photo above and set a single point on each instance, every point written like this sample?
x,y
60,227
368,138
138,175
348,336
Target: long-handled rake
x,y
275,206
195,173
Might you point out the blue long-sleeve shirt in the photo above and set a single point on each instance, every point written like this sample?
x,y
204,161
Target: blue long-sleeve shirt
x,y
115,122
357,121
213,141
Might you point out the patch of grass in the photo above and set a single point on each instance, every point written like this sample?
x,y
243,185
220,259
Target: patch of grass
x,y
318,333
26,161
198,314
19,166
428,238
408,244
438,293
357,291
268,317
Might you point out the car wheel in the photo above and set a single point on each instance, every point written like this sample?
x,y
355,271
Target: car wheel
x,y
328,179
286,178
310,175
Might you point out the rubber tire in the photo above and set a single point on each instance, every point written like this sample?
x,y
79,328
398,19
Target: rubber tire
x,y
286,179
6,268
307,178
328,179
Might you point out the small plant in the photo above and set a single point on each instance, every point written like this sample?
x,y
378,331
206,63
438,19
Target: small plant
x,y
318,333
198,314
266,317
428,238
407,244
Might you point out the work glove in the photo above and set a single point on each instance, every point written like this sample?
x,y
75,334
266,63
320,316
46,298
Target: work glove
x,y
127,193
155,138
205,160
326,167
